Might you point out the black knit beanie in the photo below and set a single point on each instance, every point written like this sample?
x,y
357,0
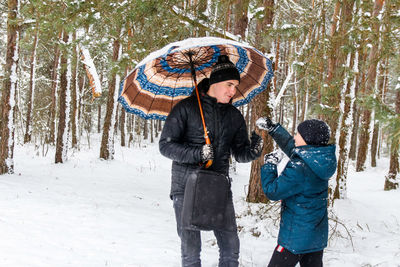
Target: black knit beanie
x,y
224,70
314,132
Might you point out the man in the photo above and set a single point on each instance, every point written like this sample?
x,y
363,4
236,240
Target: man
x,y
303,188
182,140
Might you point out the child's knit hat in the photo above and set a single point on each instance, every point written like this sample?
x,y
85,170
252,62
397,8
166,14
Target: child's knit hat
x,y
314,132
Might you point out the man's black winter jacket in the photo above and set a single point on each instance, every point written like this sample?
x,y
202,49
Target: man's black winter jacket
x,y
182,137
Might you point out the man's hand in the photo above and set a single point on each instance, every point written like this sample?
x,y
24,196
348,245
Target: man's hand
x,y
265,123
207,153
274,157
256,144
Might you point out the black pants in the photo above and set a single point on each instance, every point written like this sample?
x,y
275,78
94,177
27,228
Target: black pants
x,y
284,258
228,241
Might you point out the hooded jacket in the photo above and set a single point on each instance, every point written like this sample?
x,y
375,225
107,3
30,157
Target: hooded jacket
x,y
303,188
182,137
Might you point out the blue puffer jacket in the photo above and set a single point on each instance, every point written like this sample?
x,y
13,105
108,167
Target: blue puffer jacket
x,y
303,188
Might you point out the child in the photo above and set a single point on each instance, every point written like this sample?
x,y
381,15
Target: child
x,y
303,188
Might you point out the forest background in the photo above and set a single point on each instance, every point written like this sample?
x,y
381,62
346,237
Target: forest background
x,y
333,60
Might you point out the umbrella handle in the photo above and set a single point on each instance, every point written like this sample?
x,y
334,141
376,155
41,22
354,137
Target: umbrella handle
x,y
208,142
193,72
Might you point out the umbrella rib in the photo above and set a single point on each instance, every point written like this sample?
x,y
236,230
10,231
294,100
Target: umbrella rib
x,y
253,62
208,55
165,78
254,79
155,65
241,94
200,53
141,87
203,72
176,81
257,82
256,64
198,56
161,84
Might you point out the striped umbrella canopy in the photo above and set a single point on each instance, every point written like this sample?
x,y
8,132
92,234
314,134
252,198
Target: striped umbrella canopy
x,y
164,77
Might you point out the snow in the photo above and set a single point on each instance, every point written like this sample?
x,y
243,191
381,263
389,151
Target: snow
x,y
187,43
90,212
91,69
288,26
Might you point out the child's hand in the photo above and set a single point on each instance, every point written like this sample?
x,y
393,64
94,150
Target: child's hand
x,y
265,123
274,157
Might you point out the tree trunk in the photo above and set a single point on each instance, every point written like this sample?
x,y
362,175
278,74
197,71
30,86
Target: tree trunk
x,y
337,59
62,133
9,89
392,180
151,131
99,118
54,82
374,143
74,107
116,118
31,92
335,42
228,17
323,55
304,106
247,118
380,91
356,117
259,108
276,65
107,142
130,129
241,19
201,8
156,127
122,126
354,133
340,191
371,76
295,106
81,84
145,129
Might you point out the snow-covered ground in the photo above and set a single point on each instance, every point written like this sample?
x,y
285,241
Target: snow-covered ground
x,y
89,212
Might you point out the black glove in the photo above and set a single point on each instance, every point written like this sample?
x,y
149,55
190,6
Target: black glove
x,y
256,143
207,153
265,123
274,157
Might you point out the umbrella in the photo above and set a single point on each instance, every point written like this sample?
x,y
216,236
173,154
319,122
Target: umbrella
x,y
168,75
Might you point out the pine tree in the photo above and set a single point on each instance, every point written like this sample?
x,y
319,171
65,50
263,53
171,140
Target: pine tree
x,y
107,141
64,104
9,90
369,87
32,84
